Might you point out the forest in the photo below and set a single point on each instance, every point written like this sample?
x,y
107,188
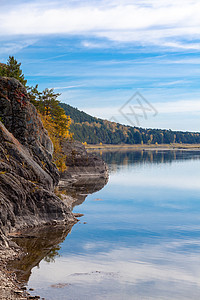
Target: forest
x,y
91,130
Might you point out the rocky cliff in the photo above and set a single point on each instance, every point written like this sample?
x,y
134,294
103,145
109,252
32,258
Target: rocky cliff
x,y
27,175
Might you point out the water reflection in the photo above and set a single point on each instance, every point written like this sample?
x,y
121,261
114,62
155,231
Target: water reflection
x,y
38,244
154,272
81,188
142,241
124,158
43,243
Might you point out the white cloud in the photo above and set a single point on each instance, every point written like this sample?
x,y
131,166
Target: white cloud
x,y
182,106
95,45
171,83
68,87
14,47
184,46
164,23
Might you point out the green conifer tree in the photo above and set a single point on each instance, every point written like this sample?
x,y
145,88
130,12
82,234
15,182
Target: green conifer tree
x,y
13,69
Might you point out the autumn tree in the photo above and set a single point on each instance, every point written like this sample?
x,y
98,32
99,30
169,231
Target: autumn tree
x,y
54,120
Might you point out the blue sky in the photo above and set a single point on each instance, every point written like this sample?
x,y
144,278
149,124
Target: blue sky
x,y
99,53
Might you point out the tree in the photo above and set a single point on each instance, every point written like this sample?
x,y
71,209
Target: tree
x,y
54,120
12,69
3,70
47,104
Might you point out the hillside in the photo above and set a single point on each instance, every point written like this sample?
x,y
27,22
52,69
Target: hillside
x,y
94,131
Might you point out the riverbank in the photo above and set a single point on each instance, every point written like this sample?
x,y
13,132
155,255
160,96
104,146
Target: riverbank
x,y
10,287
124,147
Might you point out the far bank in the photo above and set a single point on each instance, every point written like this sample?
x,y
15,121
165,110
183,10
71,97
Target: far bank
x,y
124,147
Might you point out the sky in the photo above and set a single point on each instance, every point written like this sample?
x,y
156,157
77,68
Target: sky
x,y
135,62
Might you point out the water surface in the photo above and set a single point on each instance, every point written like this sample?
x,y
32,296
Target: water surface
x,y
139,237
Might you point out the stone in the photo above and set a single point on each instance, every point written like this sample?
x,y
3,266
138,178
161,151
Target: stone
x,y
82,164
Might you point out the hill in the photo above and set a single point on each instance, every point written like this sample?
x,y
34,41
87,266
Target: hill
x,y
94,131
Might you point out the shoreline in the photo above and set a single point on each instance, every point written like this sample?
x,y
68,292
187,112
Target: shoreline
x,y
10,287
125,147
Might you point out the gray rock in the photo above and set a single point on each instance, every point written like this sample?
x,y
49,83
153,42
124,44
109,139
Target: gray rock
x,y
82,164
27,175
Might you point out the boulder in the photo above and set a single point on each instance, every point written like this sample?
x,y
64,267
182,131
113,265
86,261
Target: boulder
x,y
80,163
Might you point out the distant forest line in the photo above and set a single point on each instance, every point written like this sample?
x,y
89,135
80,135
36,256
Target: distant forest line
x,y
93,130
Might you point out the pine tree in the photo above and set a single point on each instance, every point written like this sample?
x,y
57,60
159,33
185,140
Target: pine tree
x,y
3,70
12,69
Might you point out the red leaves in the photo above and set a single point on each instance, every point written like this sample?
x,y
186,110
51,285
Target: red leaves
x,y
21,98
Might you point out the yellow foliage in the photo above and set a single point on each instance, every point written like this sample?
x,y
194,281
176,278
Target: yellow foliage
x,y
62,126
58,131
3,172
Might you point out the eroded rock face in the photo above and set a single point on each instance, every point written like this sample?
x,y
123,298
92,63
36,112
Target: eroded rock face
x,y
82,164
21,119
27,175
